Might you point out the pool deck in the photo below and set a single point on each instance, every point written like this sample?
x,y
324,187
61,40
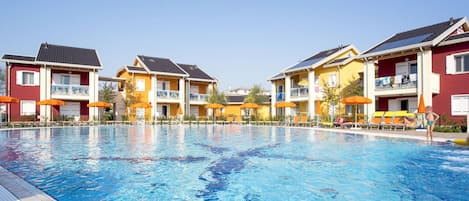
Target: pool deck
x,y
13,188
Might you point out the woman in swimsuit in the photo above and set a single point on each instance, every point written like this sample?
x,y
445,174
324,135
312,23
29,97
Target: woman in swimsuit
x,y
431,117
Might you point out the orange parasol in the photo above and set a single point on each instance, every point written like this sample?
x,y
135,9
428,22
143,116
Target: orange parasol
x,y
99,104
52,102
141,105
285,104
8,99
356,100
214,106
179,110
250,105
421,105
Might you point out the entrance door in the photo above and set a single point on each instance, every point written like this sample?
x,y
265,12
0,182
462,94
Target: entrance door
x,y
140,114
405,104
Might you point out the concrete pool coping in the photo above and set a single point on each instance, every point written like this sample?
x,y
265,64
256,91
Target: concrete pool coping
x,y
19,188
22,190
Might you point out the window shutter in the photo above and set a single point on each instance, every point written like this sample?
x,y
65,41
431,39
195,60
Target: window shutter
x,y
450,64
19,77
36,78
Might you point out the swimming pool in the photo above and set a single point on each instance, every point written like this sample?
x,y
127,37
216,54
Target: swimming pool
x,y
231,163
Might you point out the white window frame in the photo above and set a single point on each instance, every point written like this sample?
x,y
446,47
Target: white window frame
x,y
20,76
454,112
451,63
141,86
22,113
462,55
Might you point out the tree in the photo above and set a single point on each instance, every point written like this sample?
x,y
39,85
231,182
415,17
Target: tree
x,y
331,97
215,97
2,82
255,96
130,98
107,94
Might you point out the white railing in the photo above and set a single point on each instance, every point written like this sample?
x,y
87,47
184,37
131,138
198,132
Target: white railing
x,y
396,82
69,90
198,97
299,92
167,94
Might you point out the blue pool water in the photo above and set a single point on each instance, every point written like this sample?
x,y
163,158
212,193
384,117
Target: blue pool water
x,y
231,163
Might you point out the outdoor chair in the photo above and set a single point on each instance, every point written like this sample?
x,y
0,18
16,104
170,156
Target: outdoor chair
x,y
388,120
399,120
375,120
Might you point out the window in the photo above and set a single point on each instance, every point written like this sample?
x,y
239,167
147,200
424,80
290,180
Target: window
x,y
28,107
65,79
460,104
462,63
29,78
140,85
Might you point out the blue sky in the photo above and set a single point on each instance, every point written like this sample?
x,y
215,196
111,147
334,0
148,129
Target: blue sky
x,y
241,43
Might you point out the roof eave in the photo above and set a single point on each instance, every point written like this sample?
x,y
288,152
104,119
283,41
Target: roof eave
x,y
344,62
448,31
399,49
18,61
201,80
455,41
69,65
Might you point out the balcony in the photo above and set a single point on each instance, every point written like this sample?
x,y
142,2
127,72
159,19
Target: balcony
x,y
167,94
198,98
69,91
280,96
299,92
396,85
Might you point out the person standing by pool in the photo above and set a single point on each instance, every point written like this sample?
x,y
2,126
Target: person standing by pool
x,y
431,117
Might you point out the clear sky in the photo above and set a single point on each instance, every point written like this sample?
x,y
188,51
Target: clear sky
x,y
241,43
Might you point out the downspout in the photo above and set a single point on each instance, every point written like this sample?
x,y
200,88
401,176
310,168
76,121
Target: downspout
x,y
8,65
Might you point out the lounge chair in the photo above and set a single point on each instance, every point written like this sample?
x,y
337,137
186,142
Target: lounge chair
x,y
375,120
398,120
388,119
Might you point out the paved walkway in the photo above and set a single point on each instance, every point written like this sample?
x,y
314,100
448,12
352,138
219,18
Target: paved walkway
x,y
13,187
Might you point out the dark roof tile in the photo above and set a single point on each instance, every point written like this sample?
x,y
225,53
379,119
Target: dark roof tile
x,y
162,65
458,36
18,57
195,72
235,99
415,36
68,55
134,68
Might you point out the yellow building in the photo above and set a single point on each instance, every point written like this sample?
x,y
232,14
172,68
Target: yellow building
x,y
233,110
167,86
304,82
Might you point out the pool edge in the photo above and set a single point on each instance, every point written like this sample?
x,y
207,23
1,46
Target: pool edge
x,y
20,188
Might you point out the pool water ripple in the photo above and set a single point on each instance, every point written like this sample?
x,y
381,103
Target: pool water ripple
x,y
231,163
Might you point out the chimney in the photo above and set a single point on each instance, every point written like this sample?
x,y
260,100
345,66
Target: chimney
x,y
451,21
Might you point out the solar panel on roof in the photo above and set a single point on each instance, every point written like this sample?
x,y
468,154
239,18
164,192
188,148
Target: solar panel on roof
x,y
401,43
305,63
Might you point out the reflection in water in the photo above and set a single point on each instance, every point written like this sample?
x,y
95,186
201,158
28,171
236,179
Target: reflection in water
x,y
45,144
287,135
312,135
94,151
180,139
273,134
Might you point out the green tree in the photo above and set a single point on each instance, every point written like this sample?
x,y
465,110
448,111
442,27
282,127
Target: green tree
x,y
255,96
130,98
216,97
331,97
107,94
2,82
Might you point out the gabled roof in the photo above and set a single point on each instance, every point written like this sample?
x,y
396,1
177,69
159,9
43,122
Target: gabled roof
x,y
63,55
195,72
18,57
341,61
423,36
161,65
454,39
315,59
277,76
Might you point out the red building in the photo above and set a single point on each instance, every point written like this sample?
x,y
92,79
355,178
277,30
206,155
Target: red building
x,y
57,72
427,61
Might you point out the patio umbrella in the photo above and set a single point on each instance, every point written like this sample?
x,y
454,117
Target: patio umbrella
x,y
142,105
421,110
179,110
8,100
51,102
285,105
99,104
356,100
249,106
303,83
214,106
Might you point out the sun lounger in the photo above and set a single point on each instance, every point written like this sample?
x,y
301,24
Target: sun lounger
x,y
388,120
375,120
398,120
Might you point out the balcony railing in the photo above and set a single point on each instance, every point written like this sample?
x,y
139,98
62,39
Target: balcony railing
x,y
167,94
396,82
280,96
198,97
69,90
299,92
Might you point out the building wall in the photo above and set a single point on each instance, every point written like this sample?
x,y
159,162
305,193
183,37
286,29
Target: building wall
x,y
22,92
387,67
450,84
141,96
84,76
